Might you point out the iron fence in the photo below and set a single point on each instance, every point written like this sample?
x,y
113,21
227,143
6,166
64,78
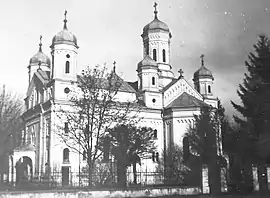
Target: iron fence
x,y
56,180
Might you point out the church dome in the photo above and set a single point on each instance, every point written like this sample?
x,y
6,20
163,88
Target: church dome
x,y
64,36
40,57
156,24
203,72
147,61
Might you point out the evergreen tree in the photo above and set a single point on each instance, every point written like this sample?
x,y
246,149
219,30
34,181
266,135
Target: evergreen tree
x,y
254,110
203,138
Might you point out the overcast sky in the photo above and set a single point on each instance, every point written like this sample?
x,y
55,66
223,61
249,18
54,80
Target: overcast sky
x,y
108,30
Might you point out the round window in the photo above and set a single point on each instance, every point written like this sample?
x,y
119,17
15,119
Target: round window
x,y
154,100
68,56
66,90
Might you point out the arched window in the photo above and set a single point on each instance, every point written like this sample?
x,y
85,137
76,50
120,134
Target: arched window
x,y
66,155
154,54
67,67
153,81
164,55
209,89
186,148
155,134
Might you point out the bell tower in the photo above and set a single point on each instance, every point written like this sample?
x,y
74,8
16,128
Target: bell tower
x,y
64,50
157,44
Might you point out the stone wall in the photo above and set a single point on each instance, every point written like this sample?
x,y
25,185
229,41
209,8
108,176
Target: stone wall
x,y
147,192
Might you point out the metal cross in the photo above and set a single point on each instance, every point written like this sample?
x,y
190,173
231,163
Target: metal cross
x,y
40,43
65,14
202,61
155,6
114,63
40,40
180,71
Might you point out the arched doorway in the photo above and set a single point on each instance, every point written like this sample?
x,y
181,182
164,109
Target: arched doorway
x,y
24,169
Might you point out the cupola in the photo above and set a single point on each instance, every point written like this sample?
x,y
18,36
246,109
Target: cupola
x,y
64,36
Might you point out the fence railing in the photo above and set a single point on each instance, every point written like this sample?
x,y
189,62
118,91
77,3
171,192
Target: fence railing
x,y
69,180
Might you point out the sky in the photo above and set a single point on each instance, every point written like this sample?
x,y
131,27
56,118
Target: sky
x,y
109,30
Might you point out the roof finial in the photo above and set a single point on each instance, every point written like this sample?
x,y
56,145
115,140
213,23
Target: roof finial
x,y
155,12
40,43
202,61
114,63
65,20
180,71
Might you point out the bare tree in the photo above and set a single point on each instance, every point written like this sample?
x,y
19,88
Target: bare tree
x,y
96,107
176,168
10,111
129,144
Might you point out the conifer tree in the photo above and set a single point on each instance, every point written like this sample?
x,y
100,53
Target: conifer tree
x,y
254,110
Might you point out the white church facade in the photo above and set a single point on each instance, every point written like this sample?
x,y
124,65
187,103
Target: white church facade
x,y
170,101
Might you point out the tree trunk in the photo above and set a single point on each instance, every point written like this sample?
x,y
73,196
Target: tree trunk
x,y
134,173
90,172
214,177
262,176
121,174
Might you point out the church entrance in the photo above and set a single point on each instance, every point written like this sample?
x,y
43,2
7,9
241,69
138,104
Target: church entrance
x,y
24,169
65,175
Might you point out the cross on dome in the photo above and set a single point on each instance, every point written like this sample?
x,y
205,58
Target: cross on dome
x,y
65,20
40,43
114,63
180,71
202,61
155,6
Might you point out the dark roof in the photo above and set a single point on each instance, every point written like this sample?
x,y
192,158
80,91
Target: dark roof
x,y
125,86
203,72
134,85
186,100
156,24
170,84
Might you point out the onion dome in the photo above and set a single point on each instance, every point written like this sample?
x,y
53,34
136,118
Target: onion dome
x,y
147,61
156,24
64,36
203,72
40,58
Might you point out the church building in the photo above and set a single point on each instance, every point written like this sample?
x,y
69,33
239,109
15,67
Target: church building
x,y
170,101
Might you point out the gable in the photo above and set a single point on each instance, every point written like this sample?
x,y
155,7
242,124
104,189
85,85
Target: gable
x,y
185,101
177,88
38,81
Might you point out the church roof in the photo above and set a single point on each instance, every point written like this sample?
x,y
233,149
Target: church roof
x,y
126,87
185,100
65,36
134,85
170,84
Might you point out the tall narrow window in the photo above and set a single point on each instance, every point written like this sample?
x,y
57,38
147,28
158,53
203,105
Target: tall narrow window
x,y
209,89
66,128
154,54
153,81
155,134
67,67
66,155
164,55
